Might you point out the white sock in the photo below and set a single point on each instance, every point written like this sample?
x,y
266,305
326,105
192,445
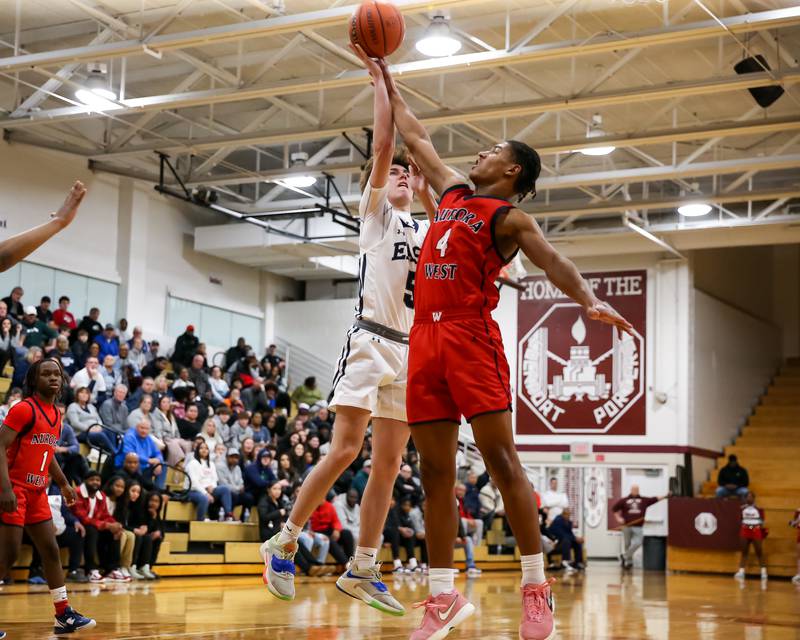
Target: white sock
x,y
533,569
289,533
441,581
59,594
365,558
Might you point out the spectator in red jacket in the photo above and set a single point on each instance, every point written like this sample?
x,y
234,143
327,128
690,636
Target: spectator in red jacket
x,y
324,520
62,316
103,532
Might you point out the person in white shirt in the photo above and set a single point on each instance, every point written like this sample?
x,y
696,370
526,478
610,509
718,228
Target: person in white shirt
x,y
90,377
204,485
554,501
349,511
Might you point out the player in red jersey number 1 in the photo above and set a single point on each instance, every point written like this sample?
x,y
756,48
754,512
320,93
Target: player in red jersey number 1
x,y
28,439
474,233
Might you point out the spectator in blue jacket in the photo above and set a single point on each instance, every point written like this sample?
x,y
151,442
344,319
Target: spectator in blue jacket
x,y
472,498
570,545
137,440
258,475
69,456
108,342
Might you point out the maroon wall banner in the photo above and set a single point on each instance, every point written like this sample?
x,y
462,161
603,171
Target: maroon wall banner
x,y
575,375
704,524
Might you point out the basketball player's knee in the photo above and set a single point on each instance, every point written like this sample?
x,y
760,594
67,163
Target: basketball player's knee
x,y
385,467
504,469
344,453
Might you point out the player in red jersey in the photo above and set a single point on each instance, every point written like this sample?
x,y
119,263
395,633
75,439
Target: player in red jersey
x,y
456,362
28,439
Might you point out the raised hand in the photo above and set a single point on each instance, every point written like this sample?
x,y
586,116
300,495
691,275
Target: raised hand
x,y
371,65
604,312
417,181
66,213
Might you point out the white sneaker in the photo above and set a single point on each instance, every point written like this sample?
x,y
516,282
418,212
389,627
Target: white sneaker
x,y
96,578
148,573
796,579
764,573
117,576
126,573
473,572
246,515
135,573
739,575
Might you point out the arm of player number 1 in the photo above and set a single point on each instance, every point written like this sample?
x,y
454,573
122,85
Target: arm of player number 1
x,y
441,246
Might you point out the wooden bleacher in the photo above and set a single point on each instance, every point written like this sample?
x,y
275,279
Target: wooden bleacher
x,y
769,448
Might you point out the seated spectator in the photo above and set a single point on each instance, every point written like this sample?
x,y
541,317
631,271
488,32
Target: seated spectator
x,y
241,428
298,458
255,397
23,363
62,316
491,504
91,324
554,501
307,393
273,509
13,396
69,535
416,515
165,431
185,348
325,521
249,453
147,388
259,474
125,367
199,378
137,440
64,355
103,533
271,358
155,367
138,519
122,331
183,380
37,333
189,426
472,523
68,455
43,312
570,545
210,435
131,472
146,552
322,421
223,419
117,493
111,375
229,474
138,353
287,474
236,352
108,341
11,340
732,480
14,303
114,411
360,480
85,421
219,388
91,378
234,401
407,486
142,412
398,531
349,512
205,488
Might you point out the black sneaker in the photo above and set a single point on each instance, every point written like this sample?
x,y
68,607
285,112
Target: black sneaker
x,y
71,621
78,576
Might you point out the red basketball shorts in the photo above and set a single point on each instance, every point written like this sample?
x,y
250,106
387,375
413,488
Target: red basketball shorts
x,y
32,508
456,367
752,533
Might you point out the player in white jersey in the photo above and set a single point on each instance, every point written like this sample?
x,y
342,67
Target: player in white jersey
x,y
371,379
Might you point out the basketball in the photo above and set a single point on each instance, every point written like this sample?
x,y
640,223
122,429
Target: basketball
x,y
378,27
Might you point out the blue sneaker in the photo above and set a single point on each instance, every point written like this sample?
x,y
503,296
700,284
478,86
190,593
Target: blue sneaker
x,y
2,635
37,580
368,586
279,570
72,621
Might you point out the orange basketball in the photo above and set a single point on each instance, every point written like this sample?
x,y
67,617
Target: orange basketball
x,y
378,27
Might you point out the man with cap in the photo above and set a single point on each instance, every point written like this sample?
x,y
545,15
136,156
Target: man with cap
x,y
37,333
185,347
108,342
229,474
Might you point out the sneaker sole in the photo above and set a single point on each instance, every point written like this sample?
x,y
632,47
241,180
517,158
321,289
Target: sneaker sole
x,y
372,602
465,612
265,578
62,632
550,637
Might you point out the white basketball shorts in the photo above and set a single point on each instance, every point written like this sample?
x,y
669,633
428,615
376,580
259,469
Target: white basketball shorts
x,y
371,375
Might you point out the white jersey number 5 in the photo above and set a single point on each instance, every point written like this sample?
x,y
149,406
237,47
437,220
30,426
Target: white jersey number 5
x,y
441,246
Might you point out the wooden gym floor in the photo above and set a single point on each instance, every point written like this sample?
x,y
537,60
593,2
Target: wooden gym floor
x,y
603,604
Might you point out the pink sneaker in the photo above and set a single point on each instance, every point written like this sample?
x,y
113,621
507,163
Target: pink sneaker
x,y
537,611
442,614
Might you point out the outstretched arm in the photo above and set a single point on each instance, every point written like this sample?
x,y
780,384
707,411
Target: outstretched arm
x,y
419,184
439,175
522,230
19,246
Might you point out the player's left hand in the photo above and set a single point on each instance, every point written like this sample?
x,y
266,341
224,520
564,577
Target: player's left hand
x,y
69,494
66,213
417,181
604,312
372,67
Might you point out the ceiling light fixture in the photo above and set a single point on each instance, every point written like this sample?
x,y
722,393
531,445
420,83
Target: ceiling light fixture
x,y
300,181
595,130
96,92
694,209
438,41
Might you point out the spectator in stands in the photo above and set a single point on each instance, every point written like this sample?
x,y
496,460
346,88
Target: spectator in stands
x,y
219,388
82,416
241,428
732,480
360,479
125,367
122,331
13,396
62,316
325,521
492,505
464,541
43,311
322,422
152,350
64,355
199,377
103,533
142,412
273,507
239,350
137,353
137,520
189,426
348,511
108,341
229,474
111,375
14,303
4,314
148,387
418,523
406,485
222,419
210,435
307,393
155,536
472,523
22,364
183,380
271,358
68,455
752,531
117,493
554,501
91,378
69,535
570,545
630,512
262,434
259,475
114,410
287,474
155,367
37,333
11,340
185,348
137,440
80,347
131,471
398,531
205,487
255,397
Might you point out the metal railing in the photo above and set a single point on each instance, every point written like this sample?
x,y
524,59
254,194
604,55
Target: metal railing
x,y
301,364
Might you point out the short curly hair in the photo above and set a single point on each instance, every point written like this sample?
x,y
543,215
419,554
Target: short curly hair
x,y
400,157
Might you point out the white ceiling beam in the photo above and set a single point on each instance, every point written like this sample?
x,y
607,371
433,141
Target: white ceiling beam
x,y
558,11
